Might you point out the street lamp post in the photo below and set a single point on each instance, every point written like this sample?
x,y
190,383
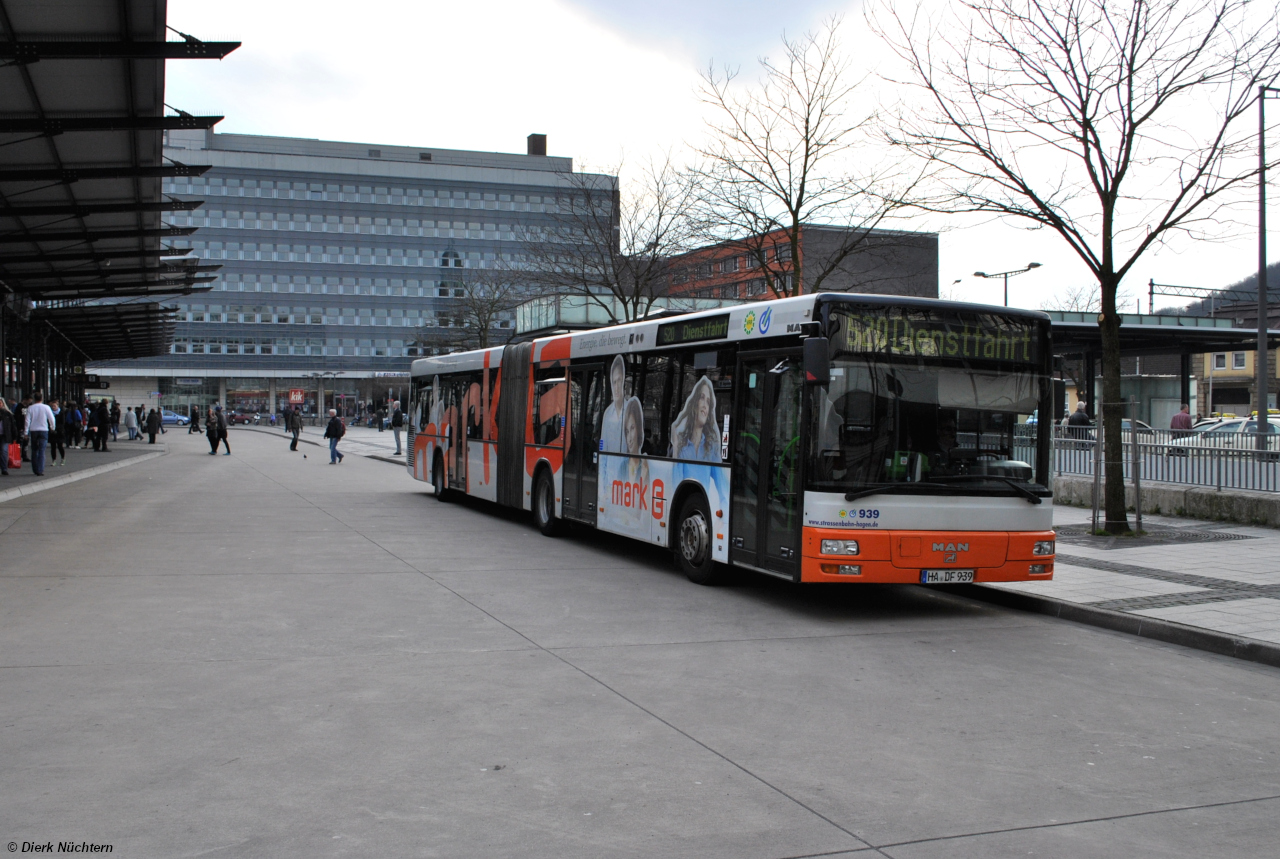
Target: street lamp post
x,y
1260,362
1006,275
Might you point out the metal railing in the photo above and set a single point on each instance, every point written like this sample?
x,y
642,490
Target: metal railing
x,y
1217,460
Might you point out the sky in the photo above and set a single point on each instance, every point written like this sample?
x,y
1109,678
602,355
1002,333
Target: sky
x,y
609,82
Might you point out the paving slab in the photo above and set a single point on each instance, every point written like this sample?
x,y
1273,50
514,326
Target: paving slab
x,y
262,654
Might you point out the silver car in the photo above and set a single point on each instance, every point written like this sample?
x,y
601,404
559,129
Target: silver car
x,y
1238,435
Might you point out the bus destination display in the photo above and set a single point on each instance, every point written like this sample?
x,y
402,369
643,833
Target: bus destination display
x,y
903,332
692,330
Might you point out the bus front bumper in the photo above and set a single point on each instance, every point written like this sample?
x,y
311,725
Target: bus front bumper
x,y
912,557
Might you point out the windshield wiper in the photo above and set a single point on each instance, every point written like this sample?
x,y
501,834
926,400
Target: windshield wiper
x,y
887,488
1026,493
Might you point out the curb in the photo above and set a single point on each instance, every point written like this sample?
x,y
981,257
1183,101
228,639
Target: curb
x,y
55,482
1167,631
301,440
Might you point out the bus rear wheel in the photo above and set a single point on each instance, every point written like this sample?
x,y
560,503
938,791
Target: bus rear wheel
x,y
693,542
544,504
437,480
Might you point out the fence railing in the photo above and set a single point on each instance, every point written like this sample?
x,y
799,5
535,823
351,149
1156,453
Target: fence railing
x,y
1218,460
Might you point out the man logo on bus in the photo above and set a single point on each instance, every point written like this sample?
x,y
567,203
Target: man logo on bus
x,y
749,322
950,547
765,319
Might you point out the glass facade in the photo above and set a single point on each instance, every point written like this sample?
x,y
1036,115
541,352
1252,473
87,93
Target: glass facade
x,y
335,260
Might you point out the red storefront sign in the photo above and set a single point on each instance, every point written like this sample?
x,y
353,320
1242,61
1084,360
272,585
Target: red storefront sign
x,y
297,396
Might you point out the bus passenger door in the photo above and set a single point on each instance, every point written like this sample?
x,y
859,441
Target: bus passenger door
x,y
582,457
457,421
767,494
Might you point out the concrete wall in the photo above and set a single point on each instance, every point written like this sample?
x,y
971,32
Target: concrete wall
x,y
1172,499
128,390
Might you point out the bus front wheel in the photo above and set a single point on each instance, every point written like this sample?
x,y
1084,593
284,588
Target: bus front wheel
x,y
544,504
693,542
437,480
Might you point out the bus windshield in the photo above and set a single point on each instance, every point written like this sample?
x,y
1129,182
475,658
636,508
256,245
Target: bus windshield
x,y
928,404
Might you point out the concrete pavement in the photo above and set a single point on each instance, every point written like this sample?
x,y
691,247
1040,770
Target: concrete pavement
x,y
264,655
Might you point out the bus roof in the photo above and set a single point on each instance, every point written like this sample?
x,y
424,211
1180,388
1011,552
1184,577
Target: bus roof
x,y
757,320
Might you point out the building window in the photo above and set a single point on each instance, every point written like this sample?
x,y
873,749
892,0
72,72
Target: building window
x,y
729,265
1237,360
782,253
1220,361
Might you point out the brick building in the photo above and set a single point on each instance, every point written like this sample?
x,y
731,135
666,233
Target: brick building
x,y
834,260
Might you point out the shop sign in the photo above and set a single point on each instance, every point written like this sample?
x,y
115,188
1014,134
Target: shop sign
x,y
297,396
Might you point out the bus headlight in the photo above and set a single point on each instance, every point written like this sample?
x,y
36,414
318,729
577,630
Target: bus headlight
x,y
1038,569
839,547
1043,547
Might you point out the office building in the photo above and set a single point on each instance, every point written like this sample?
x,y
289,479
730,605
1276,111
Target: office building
x,y
339,260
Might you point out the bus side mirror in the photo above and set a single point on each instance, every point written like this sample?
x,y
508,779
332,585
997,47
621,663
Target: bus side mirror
x,y
817,361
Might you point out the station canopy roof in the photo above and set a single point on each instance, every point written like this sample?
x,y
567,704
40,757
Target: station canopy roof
x,y
82,118
1076,333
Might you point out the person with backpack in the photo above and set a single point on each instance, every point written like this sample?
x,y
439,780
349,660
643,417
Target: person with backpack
x,y
294,426
397,424
335,431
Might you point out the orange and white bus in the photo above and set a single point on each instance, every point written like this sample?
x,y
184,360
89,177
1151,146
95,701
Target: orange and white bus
x,y
822,438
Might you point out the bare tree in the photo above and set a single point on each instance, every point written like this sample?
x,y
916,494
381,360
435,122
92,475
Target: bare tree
x,y
787,153
1113,124
611,246
472,315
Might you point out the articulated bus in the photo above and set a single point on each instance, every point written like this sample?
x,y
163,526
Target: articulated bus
x,y
823,438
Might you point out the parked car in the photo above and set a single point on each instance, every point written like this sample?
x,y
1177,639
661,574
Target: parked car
x,y
170,419
1237,435
238,416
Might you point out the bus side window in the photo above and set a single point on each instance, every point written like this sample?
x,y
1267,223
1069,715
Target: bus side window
x,y
654,392
548,405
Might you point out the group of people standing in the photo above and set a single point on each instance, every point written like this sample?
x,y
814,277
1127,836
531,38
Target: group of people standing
x,y
46,430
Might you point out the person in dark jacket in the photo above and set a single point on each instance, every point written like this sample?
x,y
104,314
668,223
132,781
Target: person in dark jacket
x,y
94,433
104,427
218,426
8,435
194,426
153,426
115,420
294,426
58,438
334,432
397,424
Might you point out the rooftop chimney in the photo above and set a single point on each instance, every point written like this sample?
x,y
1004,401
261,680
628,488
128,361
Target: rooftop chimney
x,y
537,144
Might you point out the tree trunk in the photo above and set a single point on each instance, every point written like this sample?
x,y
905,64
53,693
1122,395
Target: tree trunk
x,y
1110,426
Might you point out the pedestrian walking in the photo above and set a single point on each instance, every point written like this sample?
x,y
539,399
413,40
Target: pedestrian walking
x,y
39,424
219,422
193,426
397,424
115,420
334,432
153,426
130,424
9,434
294,427
58,438
141,414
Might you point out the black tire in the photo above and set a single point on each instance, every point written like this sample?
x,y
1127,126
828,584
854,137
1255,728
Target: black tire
x,y
544,504
437,480
692,538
